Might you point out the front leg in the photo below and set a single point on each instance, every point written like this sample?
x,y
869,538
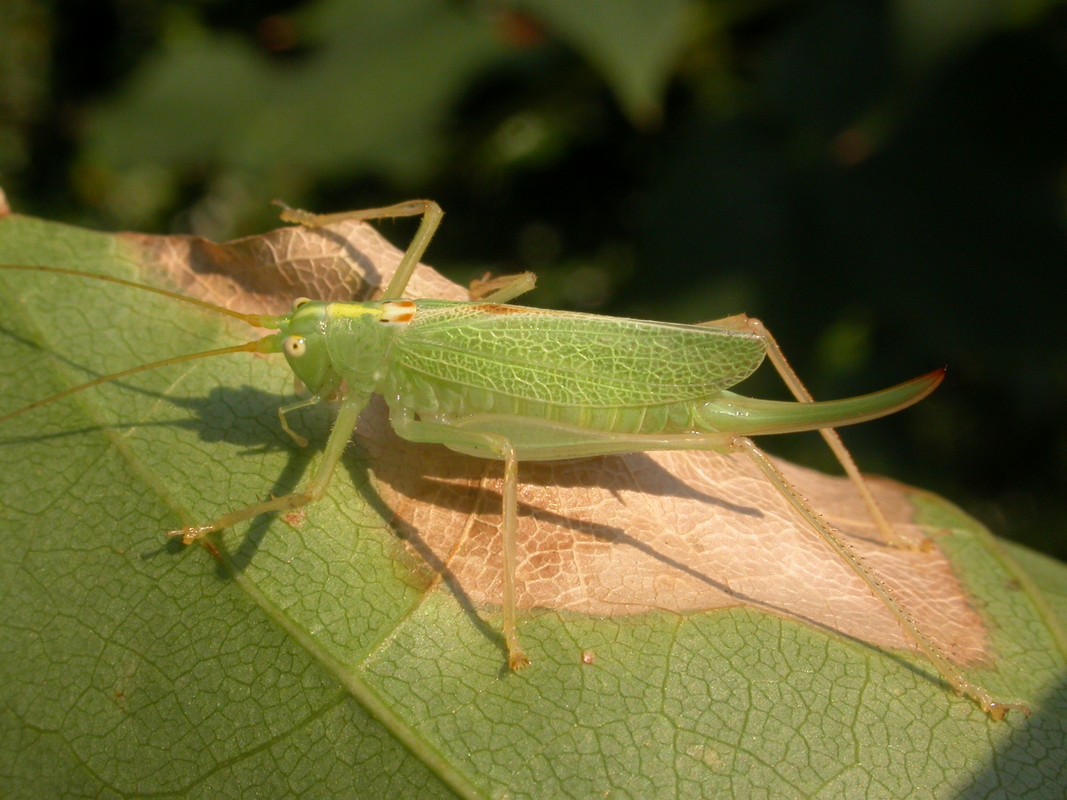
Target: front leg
x,y
347,417
413,430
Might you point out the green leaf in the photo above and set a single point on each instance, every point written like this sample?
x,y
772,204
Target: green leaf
x,y
379,78
931,33
329,658
635,45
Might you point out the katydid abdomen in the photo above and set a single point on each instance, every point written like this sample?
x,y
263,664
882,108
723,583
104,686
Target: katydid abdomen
x,y
724,412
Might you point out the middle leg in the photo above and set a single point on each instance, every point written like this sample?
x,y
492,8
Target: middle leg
x,y
407,427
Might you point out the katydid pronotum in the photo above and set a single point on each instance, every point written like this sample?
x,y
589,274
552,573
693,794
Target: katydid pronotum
x,y
513,384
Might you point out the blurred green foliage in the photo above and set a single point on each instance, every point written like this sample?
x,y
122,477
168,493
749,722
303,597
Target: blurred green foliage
x,y
883,183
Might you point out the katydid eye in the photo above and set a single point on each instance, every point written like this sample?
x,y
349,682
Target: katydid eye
x,y
295,346
300,302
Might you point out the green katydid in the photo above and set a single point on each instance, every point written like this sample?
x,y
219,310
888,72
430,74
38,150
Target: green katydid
x,y
515,384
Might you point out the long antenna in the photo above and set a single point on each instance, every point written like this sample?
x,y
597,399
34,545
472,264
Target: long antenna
x,y
256,320
268,344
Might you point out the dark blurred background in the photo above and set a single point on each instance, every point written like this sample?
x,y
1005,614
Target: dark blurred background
x,y
883,183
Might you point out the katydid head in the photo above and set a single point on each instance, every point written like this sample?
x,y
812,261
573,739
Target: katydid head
x,y
303,343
